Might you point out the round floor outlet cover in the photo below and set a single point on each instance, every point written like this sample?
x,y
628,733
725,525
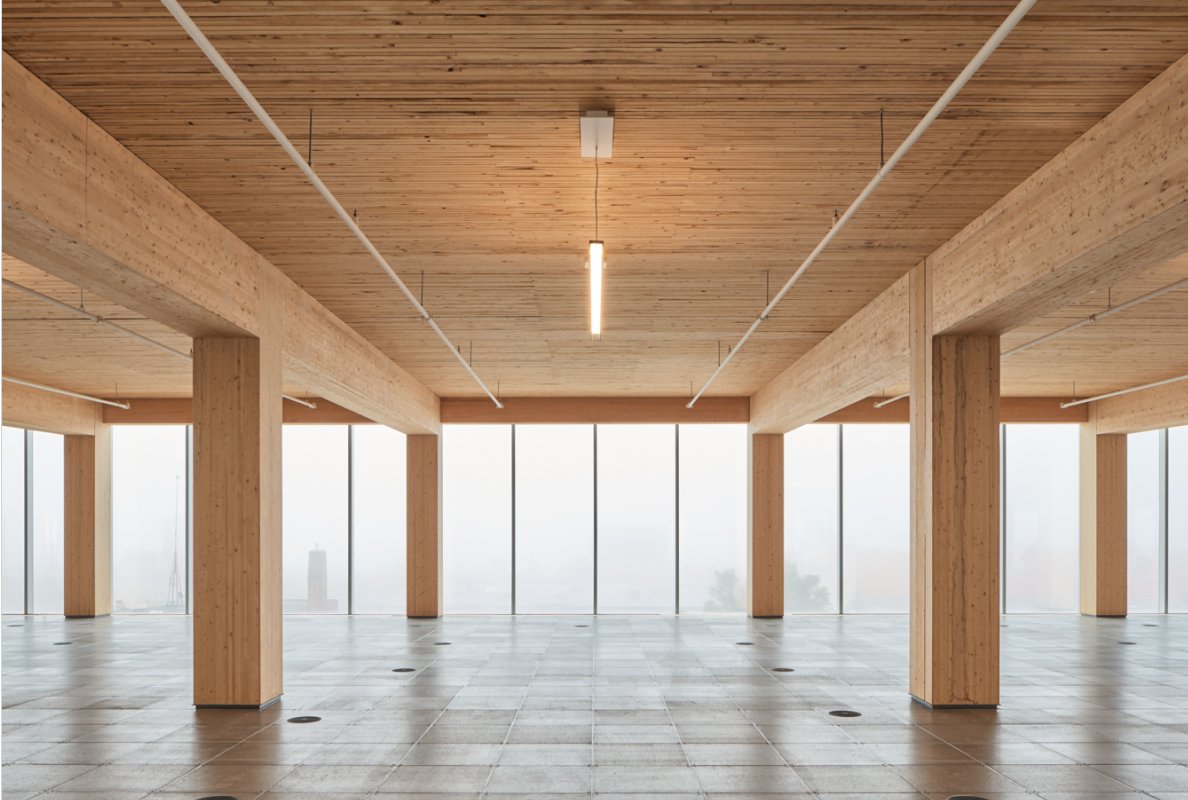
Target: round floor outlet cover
x,y
744,643
404,669
63,642
782,669
441,643
845,712
1126,642
218,797
303,720
1150,625
966,797
581,626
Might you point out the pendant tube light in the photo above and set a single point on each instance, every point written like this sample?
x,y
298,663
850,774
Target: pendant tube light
x,y
595,288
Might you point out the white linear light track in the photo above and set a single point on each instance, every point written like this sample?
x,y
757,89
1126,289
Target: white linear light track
x,y
41,387
1047,337
1121,392
199,38
958,83
82,312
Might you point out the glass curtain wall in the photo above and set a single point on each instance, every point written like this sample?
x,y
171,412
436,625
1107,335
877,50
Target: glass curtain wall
x,y
554,519
47,533
378,521
1042,514
477,518
1144,530
12,525
812,515
149,525
314,490
1176,499
636,519
712,516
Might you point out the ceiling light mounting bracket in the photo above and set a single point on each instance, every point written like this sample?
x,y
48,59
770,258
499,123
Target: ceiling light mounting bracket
x,y
598,133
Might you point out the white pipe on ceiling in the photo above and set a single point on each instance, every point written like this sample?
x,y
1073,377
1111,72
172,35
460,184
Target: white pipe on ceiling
x,y
1120,392
82,312
199,38
939,106
1100,315
66,393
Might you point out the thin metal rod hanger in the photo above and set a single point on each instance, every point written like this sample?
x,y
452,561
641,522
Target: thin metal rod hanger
x,y
1047,337
939,106
82,312
199,38
41,387
1120,392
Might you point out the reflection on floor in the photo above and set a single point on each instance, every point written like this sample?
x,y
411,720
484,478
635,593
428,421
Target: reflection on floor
x,y
628,707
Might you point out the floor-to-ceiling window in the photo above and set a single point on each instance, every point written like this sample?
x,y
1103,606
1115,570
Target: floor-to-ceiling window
x,y
1042,515
1176,499
812,509
149,518
477,518
636,519
315,519
1144,528
712,517
378,521
46,510
12,526
554,497
876,518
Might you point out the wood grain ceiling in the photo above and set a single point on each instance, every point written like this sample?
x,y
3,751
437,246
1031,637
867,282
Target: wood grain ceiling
x,y
452,128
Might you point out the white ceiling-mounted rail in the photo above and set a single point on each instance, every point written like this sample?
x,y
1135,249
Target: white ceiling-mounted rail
x,y
1089,320
41,387
1120,392
939,106
82,312
199,38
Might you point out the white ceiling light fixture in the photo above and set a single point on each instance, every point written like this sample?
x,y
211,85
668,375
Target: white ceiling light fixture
x,y
598,130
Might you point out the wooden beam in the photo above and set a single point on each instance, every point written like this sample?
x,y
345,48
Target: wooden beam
x,y
1115,202
1161,407
765,542
80,206
954,507
237,522
1103,523
594,410
424,562
1111,204
869,351
87,528
53,413
1044,410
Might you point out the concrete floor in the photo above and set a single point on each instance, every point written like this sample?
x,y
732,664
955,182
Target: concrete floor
x,y
624,707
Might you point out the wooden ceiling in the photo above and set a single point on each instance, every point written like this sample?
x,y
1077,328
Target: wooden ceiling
x,y
452,129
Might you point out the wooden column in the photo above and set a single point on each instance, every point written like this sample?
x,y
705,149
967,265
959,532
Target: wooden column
x,y
424,525
1103,523
237,522
955,544
87,487
765,542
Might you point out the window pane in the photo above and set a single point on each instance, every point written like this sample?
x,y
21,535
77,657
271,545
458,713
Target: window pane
x,y
554,519
810,519
1042,518
477,499
713,509
379,520
636,519
314,490
876,517
12,527
149,518
1177,518
1142,521
48,531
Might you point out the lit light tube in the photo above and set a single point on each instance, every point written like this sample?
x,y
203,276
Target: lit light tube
x,y
596,288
